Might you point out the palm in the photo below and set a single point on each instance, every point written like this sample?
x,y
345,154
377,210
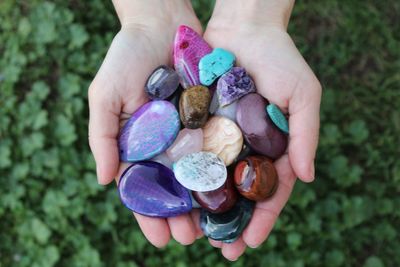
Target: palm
x,y
283,77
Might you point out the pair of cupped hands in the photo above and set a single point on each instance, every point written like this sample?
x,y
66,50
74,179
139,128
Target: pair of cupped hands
x,y
269,55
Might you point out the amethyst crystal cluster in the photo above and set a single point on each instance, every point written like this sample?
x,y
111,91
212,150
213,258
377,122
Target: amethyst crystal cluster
x,y
181,142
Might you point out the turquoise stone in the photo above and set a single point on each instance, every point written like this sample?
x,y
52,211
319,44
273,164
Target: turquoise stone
x,y
213,65
277,117
227,226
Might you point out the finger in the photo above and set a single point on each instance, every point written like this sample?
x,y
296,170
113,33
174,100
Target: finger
x,y
215,243
195,214
182,229
103,129
266,212
234,250
156,230
304,128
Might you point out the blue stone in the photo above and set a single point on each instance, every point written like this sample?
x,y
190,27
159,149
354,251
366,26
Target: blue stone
x,y
149,188
213,65
277,117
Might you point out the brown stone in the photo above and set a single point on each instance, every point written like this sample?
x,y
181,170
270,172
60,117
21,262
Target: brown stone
x,y
193,106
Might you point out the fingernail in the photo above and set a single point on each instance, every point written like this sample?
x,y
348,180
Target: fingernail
x,y
253,246
99,180
312,171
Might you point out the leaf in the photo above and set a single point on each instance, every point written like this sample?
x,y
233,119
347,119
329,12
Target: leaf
x,y
40,230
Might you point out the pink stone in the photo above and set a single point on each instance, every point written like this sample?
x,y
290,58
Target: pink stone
x,y
163,159
189,48
188,141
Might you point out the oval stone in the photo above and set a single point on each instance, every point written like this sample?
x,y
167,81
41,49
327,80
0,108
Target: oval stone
x,y
162,83
149,132
150,188
188,141
227,226
223,138
259,131
193,106
201,171
256,178
219,200
277,117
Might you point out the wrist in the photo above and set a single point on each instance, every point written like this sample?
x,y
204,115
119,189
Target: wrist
x,y
254,13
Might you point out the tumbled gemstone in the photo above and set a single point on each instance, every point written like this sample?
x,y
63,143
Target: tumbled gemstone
x,y
162,83
233,85
277,117
193,106
260,133
215,64
223,138
228,111
188,141
163,159
227,226
256,178
189,48
218,200
149,132
201,171
150,188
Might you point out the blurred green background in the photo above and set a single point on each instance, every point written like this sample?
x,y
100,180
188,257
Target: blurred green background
x,y
53,213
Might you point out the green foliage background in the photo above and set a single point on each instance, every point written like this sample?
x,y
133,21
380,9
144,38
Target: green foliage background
x,y
53,213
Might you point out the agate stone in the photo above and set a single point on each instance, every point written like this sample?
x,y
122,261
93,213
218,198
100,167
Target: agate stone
x,y
256,178
223,138
233,85
277,117
162,83
201,171
193,106
150,188
215,64
149,132
219,200
189,48
227,226
260,133
188,141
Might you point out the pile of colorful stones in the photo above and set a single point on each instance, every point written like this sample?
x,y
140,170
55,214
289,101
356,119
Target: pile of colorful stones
x,y
207,143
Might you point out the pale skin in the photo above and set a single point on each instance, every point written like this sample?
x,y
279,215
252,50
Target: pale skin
x,y
255,31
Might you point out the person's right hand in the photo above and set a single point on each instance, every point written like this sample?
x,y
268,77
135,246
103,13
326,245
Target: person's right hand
x,y
143,43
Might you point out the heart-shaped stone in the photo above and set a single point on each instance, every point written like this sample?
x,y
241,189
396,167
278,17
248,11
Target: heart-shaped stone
x,y
150,188
215,64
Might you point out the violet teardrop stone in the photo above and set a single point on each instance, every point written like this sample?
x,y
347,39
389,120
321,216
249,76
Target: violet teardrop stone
x,y
162,83
150,188
149,132
260,133
189,48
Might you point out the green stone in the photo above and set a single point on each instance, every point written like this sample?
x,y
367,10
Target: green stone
x,y
227,226
277,117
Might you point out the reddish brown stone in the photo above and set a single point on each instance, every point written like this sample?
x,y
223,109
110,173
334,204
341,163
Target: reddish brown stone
x,y
219,200
256,178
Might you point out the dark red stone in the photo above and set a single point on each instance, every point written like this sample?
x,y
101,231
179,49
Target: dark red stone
x,y
219,200
256,178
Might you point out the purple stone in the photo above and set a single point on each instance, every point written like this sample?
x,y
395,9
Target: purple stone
x,y
260,133
162,83
233,85
189,48
150,188
149,132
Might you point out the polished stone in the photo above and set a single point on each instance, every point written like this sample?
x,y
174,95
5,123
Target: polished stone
x,y
260,133
218,200
149,132
149,188
214,105
189,48
228,111
195,204
201,171
188,141
163,159
193,106
256,178
277,117
215,64
223,138
233,85
227,226
162,83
